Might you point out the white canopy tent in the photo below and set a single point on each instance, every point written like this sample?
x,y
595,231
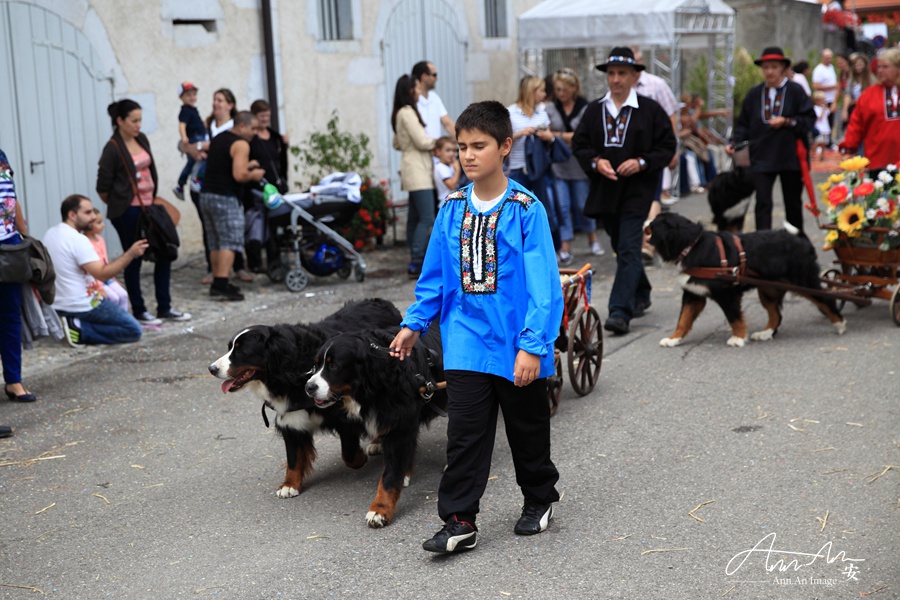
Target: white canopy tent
x,y
662,28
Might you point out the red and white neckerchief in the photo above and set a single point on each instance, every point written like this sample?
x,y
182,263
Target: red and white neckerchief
x,y
773,106
891,104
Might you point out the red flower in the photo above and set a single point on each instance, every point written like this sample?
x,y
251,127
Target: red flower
x,y
358,244
864,189
363,188
837,194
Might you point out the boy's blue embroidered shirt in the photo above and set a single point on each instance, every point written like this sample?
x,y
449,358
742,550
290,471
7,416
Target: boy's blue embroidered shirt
x,y
493,279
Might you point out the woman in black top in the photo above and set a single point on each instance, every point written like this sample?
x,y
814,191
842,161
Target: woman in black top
x,y
269,148
126,181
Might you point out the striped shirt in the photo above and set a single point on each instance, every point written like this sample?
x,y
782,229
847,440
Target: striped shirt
x,y
656,88
7,199
519,122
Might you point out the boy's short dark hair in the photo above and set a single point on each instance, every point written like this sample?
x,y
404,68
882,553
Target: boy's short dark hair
x,y
488,116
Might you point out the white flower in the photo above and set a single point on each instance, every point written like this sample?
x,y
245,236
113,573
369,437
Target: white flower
x,y
891,167
870,214
885,177
882,203
878,185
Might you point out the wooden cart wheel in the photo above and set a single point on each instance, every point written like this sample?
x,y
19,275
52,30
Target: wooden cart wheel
x,y
585,350
895,305
555,383
834,275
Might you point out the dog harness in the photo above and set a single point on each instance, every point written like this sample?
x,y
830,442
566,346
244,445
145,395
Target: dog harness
x,y
723,270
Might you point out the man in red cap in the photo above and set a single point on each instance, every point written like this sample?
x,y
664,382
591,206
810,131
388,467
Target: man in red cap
x,y
775,114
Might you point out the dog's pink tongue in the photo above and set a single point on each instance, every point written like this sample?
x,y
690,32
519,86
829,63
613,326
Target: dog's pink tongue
x,y
226,385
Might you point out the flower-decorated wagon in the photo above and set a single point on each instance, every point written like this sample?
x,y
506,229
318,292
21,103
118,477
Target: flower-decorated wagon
x,y
862,224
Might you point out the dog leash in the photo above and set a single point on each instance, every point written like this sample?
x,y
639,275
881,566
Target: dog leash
x,y
427,387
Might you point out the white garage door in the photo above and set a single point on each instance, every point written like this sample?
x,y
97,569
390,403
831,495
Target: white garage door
x,y
425,30
53,99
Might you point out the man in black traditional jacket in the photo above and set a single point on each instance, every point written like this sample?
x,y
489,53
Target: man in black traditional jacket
x,y
623,142
776,114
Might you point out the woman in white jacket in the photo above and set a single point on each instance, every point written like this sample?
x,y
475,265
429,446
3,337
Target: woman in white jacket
x,y
416,167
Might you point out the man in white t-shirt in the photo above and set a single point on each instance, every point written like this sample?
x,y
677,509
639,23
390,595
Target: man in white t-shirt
x,y
824,79
87,316
430,106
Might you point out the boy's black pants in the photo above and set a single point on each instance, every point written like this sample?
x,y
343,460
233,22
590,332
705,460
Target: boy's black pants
x,y
473,402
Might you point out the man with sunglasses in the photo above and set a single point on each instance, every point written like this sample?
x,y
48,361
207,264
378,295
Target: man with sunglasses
x,y
430,106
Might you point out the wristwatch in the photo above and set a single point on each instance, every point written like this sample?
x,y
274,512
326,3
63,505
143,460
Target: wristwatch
x,y
642,163
199,145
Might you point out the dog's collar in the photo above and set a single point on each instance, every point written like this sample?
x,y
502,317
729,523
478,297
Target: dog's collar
x,y
687,250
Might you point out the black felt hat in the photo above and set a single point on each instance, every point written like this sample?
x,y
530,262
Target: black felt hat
x,y
773,53
620,57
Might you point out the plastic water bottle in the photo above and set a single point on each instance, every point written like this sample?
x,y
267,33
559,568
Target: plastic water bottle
x,y
271,196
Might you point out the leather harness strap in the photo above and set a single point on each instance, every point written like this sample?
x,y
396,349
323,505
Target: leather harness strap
x,y
723,270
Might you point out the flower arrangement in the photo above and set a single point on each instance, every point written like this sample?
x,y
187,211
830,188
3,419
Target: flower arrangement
x,y
835,18
373,215
855,204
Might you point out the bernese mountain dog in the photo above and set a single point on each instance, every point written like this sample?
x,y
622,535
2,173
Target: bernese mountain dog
x,y
276,362
778,256
729,198
356,374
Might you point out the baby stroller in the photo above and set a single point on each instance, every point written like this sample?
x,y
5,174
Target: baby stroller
x,y
303,226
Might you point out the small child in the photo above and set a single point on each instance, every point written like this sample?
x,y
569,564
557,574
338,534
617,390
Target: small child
x,y
446,170
490,273
823,136
111,288
191,130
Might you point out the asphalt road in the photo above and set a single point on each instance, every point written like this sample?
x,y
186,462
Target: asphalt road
x,y
133,476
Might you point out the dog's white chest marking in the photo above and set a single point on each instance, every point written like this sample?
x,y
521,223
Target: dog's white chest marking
x,y
299,420
694,288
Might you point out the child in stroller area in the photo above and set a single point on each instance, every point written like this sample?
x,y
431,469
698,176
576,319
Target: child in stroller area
x,y
306,225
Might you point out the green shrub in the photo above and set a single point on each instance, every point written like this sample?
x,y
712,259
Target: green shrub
x,y
330,151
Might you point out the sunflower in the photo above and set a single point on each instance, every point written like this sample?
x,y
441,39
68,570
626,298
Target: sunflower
x,y
836,178
851,220
823,187
857,163
830,238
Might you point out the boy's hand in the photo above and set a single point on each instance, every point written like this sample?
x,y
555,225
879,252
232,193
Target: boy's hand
x,y
403,343
527,369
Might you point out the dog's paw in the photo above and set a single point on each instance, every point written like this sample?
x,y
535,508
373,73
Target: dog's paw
x,y
376,520
670,342
763,336
736,342
840,327
374,449
287,491
358,461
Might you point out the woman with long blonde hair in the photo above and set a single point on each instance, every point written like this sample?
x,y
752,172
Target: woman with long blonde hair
x,y
529,118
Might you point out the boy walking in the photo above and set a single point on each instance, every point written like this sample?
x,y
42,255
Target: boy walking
x,y
191,130
499,320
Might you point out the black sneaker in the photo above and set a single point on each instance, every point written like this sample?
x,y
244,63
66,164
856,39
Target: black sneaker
x,y
640,309
175,315
231,293
535,518
454,536
617,325
72,332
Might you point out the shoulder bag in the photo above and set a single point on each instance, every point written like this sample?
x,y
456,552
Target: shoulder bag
x,y
15,262
155,224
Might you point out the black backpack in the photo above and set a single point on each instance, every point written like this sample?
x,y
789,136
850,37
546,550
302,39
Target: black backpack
x,y
156,226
